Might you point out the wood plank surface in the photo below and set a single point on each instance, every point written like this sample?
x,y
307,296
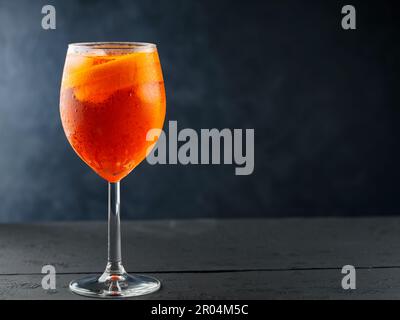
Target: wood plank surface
x,y
229,259
305,284
151,246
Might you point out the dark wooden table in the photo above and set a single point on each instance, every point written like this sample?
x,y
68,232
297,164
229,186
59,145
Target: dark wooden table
x,y
212,259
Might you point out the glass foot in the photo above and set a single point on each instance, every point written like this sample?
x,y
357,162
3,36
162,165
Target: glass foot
x,y
115,285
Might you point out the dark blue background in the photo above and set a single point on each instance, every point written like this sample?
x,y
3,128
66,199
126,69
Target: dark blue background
x,y
323,103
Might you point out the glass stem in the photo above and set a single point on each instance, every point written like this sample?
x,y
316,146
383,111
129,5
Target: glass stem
x,y
114,264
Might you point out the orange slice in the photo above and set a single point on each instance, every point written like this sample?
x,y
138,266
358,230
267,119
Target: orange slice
x,y
96,82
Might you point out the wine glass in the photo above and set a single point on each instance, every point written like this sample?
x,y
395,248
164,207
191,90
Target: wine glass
x,y
112,94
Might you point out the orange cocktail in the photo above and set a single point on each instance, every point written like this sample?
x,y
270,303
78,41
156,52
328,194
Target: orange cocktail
x,y
112,95
109,100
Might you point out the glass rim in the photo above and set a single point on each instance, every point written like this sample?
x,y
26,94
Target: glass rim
x,y
112,45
